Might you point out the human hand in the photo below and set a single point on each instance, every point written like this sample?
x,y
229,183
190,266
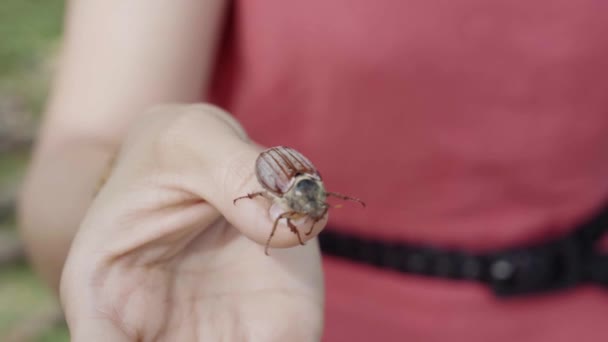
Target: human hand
x,y
164,254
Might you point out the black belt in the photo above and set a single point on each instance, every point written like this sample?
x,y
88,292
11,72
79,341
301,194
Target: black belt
x,y
557,264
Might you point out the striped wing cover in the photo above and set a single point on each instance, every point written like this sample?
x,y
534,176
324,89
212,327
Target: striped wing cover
x,y
276,168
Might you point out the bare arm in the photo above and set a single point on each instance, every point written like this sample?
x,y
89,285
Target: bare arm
x,y
118,58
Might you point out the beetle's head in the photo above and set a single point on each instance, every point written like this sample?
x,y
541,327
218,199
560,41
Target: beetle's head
x,y
308,196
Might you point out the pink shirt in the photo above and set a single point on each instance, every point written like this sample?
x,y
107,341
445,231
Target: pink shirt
x,y
471,124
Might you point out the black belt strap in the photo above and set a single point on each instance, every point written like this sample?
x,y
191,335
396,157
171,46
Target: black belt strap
x,y
557,264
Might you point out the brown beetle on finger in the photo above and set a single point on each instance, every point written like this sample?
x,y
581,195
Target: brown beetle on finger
x,y
292,181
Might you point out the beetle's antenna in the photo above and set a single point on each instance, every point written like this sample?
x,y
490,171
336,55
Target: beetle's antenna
x,y
346,198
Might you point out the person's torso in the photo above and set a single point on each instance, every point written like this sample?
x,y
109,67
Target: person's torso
x,y
470,124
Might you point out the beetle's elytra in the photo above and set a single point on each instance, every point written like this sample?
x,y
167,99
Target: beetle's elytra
x,y
291,180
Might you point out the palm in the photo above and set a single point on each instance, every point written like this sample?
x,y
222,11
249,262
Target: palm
x,y
156,259
215,285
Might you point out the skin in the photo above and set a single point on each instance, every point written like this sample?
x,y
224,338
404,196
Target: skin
x,y
161,253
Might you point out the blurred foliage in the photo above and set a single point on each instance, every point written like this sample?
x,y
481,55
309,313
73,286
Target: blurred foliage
x,y
29,31
27,295
29,37
56,334
11,168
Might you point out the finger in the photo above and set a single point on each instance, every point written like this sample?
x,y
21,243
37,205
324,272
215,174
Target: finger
x,y
204,150
224,168
91,329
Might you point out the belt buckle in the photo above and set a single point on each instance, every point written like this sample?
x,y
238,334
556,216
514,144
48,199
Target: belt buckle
x,y
538,269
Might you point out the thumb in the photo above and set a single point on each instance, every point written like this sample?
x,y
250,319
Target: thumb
x,y
205,151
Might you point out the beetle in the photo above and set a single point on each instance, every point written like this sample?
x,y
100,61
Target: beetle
x,y
292,181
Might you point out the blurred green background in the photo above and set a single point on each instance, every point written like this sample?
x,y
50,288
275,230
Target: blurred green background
x,y
30,31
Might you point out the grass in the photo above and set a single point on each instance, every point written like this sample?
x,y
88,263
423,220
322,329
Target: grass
x,y
29,36
28,27
12,167
29,33
21,293
55,334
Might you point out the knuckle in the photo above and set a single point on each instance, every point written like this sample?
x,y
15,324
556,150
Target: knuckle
x,y
154,134
170,123
224,117
201,140
180,123
189,135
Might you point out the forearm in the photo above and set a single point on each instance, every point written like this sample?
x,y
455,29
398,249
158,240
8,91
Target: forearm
x,y
55,196
120,58
116,61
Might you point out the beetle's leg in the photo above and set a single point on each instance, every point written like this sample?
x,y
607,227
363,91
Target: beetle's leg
x,y
312,227
250,196
274,228
344,197
294,230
